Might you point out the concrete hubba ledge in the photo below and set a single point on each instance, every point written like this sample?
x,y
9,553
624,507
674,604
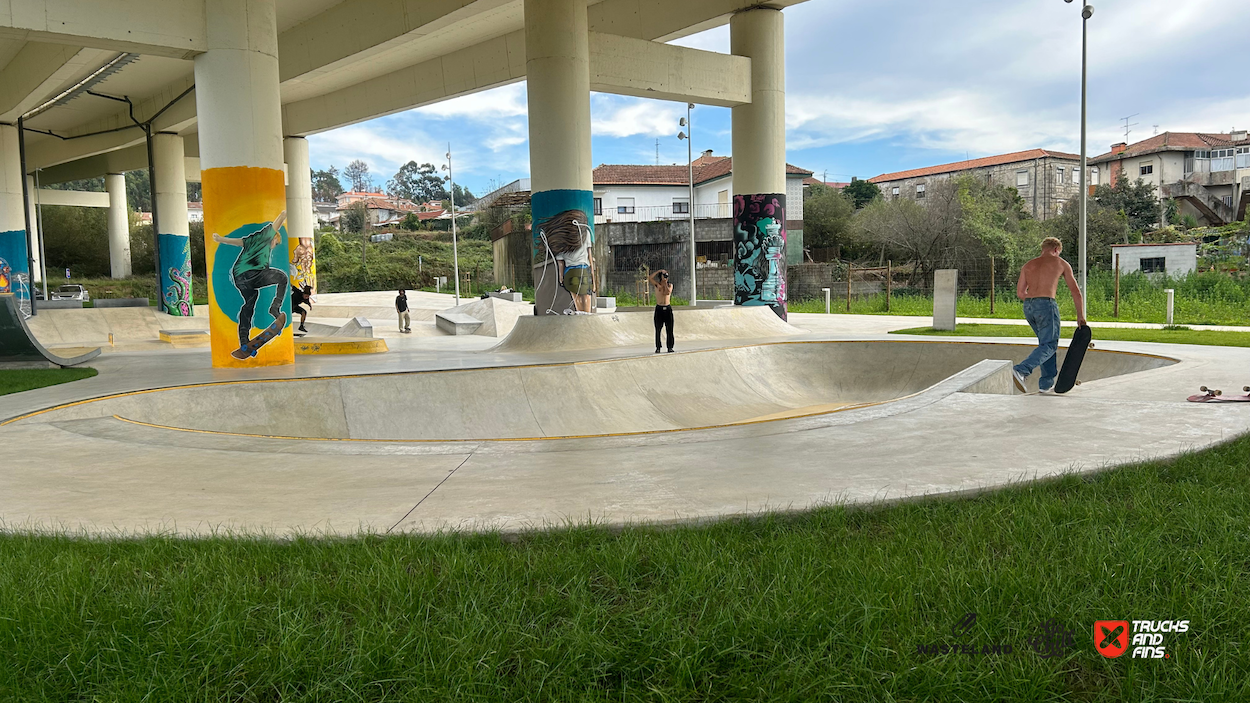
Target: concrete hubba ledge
x,y
497,316
305,346
716,388
512,297
120,303
456,323
182,339
41,305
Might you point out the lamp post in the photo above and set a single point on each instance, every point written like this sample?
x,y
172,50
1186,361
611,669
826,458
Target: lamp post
x,y
686,122
1086,13
455,253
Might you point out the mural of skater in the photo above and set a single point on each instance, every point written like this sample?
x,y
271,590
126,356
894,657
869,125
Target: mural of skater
x,y
251,273
760,251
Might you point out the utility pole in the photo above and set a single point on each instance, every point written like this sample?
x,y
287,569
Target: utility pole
x,y
694,296
455,252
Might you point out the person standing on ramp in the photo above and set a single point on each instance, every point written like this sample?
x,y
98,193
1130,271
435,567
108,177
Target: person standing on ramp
x,y
250,273
663,310
1039,280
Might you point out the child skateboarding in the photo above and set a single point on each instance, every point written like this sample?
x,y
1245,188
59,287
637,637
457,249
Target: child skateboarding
x,y
1039,280
250,273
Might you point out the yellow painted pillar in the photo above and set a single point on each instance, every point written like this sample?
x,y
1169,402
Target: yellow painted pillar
x,y
299,213
240,127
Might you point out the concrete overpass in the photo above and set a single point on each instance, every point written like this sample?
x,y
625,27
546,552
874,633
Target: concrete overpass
x,y
225,92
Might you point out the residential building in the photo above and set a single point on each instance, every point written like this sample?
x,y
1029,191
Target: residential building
x,y
1045,179
1174,259
195,212
1208,174
383,210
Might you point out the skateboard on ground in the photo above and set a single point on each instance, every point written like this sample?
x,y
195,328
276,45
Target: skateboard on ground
x,y
1072,360
1213,395
249,350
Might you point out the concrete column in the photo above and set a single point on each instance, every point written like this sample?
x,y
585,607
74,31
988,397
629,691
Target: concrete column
x,y
240,127
759,162
173,241
36,263
299,212
119,226
14,265
558,85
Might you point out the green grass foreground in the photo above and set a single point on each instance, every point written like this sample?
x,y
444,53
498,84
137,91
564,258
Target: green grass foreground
x,y
1114,334
831,604
18,380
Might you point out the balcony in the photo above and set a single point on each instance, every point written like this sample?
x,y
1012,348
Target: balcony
x,y
660,213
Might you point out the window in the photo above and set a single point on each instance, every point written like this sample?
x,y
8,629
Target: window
x,y
1243,157
1228,200
681,206
598,206
1059,175
1022,178
1154,264
624,206
1076,175
894,192
1146,169
920,192
1093,176
1059,208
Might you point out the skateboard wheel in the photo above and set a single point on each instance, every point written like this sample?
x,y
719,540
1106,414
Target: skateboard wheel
x,y
1078,381
1091,345
1246,388
1204,389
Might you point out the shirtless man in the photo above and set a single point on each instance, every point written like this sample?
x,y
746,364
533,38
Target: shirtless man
x,y
1039,279
663,310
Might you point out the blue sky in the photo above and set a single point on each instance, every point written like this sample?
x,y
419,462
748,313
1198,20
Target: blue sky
x,y
875,87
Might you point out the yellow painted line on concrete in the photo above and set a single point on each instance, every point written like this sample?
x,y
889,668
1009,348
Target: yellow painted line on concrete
x,y
347,345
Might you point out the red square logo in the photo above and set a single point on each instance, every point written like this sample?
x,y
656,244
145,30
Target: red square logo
x,y
1111,637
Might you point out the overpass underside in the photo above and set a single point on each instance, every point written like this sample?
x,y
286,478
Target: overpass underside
x,y
225,92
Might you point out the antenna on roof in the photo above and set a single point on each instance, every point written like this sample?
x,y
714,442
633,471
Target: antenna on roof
x,y
1127,125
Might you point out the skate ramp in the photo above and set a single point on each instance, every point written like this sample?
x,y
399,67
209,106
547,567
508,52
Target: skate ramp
x,y
642,394
551,333
18,346
498,316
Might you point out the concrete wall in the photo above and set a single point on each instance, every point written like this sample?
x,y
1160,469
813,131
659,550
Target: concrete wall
x,y
1044,195
1181,258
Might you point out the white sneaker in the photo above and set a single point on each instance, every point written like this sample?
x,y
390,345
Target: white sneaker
x,y
1020,385
1048,391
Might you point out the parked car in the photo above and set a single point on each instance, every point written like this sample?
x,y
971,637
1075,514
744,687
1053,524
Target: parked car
x,y
71,291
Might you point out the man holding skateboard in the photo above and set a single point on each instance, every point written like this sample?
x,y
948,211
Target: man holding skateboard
x,y
1039,280
250,273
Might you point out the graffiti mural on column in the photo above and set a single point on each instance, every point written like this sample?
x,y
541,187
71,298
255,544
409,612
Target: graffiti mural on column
x,y
247,255
760,251
564,235
174,256
303,263
14,268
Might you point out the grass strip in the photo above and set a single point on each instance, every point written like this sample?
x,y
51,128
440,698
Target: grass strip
x,y
829,604
1115,334
18,380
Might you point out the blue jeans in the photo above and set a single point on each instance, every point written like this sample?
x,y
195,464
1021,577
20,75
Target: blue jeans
x,y
1043,316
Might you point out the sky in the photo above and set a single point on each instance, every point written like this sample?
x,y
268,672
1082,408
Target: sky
x,y
877,87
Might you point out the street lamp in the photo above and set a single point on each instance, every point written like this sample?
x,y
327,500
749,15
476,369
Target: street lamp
x,y
687,135
1086,13
455,253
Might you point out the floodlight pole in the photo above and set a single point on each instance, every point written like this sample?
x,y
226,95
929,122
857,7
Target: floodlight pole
x,y
455,253
687,135
1086,13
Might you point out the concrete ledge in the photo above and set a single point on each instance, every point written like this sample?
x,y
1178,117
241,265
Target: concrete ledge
x,y
120,303
306,346
186,338
513,296
355,327
456,323
605,304
57,305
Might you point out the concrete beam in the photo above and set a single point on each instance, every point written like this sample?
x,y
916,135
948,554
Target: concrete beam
x,y
31,76
73,198
647,69
173,28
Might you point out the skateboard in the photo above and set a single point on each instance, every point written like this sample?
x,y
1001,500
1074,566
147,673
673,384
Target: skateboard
x,y
1212,395
249,350
1072,360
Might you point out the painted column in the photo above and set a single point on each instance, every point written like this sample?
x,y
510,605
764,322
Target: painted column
x,y
173,241
240,126
759,167
558,85
14,266
119,226
299,213
36,270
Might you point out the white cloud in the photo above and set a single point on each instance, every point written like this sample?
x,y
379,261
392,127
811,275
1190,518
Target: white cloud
x,y
613,116
505,101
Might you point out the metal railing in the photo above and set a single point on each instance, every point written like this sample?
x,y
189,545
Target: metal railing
x,y
660,213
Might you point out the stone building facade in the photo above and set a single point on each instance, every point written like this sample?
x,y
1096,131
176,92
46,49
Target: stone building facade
x,y
1045,179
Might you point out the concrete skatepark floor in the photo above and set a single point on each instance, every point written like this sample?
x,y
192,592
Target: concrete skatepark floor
x,y
98,473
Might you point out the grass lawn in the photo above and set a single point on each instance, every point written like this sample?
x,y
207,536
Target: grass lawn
x,y
1116,334
17,380
831,604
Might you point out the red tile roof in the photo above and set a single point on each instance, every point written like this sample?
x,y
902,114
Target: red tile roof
x,y
1168,141
706,168
970,164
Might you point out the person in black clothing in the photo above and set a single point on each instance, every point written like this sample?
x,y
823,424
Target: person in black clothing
x,y
663,310
301,303
401,307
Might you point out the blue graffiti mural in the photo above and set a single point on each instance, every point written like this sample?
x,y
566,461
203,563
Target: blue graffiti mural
x,y
760,251
174,257
15,267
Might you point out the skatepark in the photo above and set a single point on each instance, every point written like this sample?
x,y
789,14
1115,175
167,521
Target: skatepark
x,y
483,432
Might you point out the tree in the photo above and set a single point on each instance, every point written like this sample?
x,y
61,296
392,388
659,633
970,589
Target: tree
x,y
861,193
355,217
195,193
357,173
827,217
138,191
417,182
1136,199
326,185
1105,226
463,196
